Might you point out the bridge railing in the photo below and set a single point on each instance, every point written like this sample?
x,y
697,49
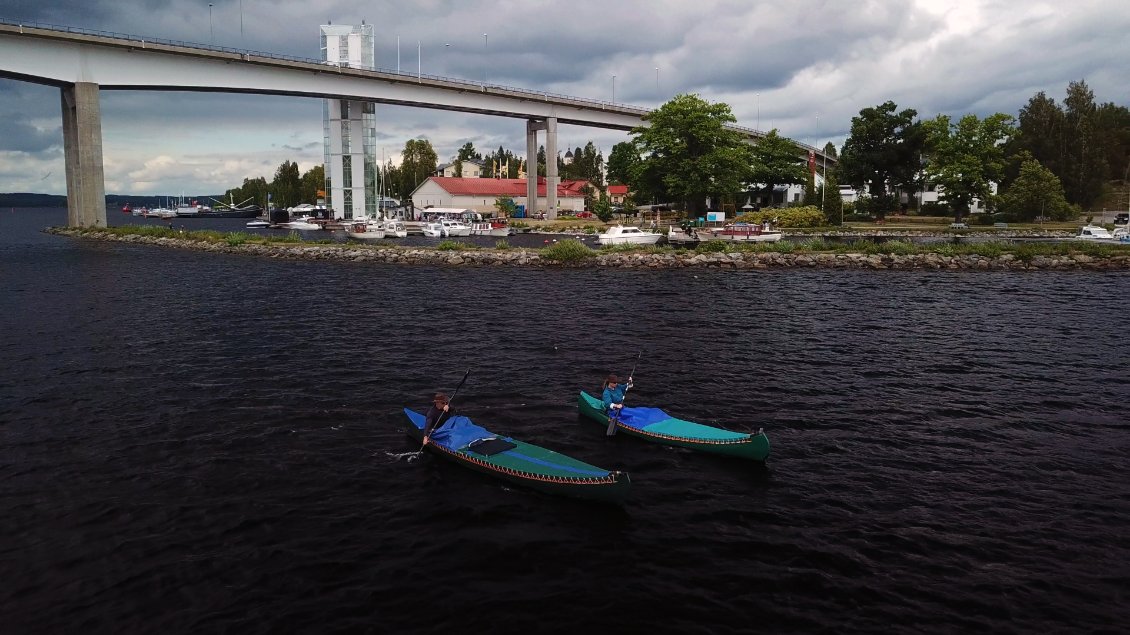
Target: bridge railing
x,y
464,83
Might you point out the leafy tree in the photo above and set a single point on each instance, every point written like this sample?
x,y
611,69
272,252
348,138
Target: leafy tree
x,y
966,158
776,162
287,185
1039,134
1085,167
541,161
689,150
390,178
1035,192
253,192
602,208
505,206
830,201
1114,122
313,181
467,152
621,161
811,196
417,163
882,150
830,150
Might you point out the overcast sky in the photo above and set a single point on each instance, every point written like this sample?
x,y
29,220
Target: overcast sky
x,y
805,67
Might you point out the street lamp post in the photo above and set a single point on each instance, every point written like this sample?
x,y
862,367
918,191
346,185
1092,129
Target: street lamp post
x,y
398,55
613,89
240,20
484,60
419,62
211,33
758,125
656,80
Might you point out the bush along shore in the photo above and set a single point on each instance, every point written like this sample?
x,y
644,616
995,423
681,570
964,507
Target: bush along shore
x,y
811,253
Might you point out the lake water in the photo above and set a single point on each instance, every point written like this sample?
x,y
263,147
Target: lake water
x,y
196,443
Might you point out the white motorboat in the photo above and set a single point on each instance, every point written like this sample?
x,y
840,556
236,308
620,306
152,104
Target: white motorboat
x,y
371,230
455,227
258,224
497,228
304,223
395,229
678,236
1095,233
434,230
620,235
742,232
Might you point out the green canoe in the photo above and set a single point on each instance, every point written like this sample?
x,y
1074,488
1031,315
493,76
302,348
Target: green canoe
x,y
458,439
657,426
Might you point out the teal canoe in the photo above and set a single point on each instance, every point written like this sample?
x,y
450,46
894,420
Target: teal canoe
x,y
653,424
472,446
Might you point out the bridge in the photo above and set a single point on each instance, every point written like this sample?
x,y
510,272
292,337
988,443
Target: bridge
x,y
82,62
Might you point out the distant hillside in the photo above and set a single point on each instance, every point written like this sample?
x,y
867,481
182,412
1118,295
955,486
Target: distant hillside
x,y
24,199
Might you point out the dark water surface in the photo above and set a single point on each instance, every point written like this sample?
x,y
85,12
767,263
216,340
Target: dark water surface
x,y
195,443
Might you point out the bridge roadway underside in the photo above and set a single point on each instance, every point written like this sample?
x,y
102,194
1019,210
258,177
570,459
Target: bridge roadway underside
x,y
81,65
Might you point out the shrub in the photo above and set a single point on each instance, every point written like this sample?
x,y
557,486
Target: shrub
x,y
711,247
236,238
502,244
805,216
451,245
567,251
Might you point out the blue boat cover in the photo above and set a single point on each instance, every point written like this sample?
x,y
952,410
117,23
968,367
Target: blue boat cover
x,y
641,417
458,432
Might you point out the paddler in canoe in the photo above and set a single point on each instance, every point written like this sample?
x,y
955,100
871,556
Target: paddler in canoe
x,y
613,399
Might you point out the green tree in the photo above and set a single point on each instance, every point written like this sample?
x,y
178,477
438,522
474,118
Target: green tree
x,y
286,187
1085,167
417,163
829,199
467,152
967,157
313,181
1039,136
602,208
252,192
505,207
1114,124
881,151
776,161
811,196
1036,191
690,151
621,162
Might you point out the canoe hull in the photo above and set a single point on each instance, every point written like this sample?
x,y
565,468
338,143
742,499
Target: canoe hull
x,y
609,488
753,447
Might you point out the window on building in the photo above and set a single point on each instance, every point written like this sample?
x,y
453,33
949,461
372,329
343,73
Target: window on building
x,y
347,171
345,142
344,109
347,203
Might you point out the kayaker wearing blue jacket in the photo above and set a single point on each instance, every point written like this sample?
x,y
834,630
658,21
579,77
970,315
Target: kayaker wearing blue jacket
x,y
434,418
614,393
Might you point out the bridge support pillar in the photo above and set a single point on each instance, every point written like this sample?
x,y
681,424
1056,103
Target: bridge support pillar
x,y
532,128
551,167
82,150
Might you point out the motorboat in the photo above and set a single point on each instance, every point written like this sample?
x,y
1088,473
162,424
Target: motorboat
x,y
678,236
303,223
434,230
746,232
258,224
455,228
620,235
371,230
1121,234
492,227
1095,233
395,229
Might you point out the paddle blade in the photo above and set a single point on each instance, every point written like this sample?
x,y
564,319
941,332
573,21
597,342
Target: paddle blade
x,y
611,431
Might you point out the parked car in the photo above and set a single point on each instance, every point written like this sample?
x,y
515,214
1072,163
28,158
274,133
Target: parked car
x,y
1121,219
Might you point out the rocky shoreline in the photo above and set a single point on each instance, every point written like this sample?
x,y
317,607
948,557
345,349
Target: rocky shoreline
x,y
519,257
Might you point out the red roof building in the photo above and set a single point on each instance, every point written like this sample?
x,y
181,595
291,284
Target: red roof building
x,y
480,194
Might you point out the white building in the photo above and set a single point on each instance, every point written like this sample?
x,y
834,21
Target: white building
x,y
349,128
471,169
480,194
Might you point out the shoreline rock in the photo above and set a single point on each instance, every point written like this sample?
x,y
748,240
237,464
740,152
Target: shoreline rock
x,y
523,257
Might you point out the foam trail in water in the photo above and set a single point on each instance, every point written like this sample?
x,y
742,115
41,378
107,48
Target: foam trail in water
x,y
412,456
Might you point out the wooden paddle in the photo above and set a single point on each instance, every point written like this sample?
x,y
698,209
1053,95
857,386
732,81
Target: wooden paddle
x,y
612,421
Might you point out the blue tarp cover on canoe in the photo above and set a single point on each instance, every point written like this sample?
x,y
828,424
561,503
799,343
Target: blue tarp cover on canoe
x,y
458,431
641,417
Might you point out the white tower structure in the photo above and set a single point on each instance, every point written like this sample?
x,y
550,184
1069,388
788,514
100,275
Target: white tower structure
x,y
349,128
